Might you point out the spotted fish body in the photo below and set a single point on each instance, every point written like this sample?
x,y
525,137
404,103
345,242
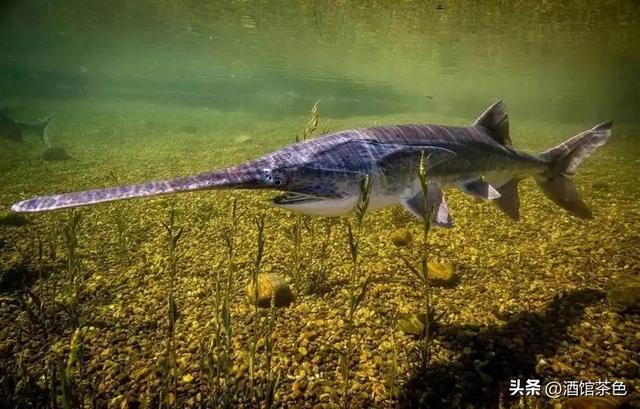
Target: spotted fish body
x,y
323,176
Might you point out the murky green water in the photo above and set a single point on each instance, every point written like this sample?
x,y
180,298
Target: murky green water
x,y
146,90
557,62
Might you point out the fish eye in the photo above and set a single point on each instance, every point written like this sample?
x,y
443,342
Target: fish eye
x,y
274,178
279,179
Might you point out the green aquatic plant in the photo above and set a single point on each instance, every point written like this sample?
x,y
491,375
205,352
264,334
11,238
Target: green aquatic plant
x,y
325,128
169,364
123,239
298,272
229,237
21,376
23,387
295,235
216,361
265,392
39,247
34,308
421,273
392,372
357,287
52,244
272,379
254,280
72,393
74,275
312,123
317,275
217,354
70,231
31,263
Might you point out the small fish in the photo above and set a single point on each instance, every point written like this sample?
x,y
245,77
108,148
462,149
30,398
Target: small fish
x,y
323,176
14,130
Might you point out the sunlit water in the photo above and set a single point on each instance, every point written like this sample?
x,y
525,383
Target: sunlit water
x,y
565,62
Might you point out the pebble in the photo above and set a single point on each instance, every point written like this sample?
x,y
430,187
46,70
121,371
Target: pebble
x,y
623,293
401,237
441,274
270,286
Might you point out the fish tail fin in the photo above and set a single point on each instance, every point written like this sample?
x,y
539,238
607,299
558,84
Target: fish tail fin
x,y
563,161
40,129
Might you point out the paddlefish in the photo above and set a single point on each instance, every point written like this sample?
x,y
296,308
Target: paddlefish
x,y
323,176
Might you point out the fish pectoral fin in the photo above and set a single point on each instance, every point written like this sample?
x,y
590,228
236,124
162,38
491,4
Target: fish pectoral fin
x,y
436,205
480,189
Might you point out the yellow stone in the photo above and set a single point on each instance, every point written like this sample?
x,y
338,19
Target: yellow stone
x,y
271,286
187,378
411,324
401,237
623,292
440,273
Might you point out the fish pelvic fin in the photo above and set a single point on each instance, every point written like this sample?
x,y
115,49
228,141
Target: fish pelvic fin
x,y
495,122
563,161
479,189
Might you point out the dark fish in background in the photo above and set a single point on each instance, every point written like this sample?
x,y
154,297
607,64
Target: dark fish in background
x,y
14,131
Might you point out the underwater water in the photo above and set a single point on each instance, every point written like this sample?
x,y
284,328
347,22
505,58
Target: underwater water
x,y
145,303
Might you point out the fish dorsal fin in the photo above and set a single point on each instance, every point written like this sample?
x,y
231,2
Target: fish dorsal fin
x,y
496,121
